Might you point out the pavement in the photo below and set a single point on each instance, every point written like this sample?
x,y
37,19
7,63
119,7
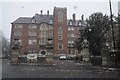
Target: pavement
x,y
60,69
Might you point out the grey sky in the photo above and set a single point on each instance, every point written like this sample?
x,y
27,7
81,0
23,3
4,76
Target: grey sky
x,y
13,10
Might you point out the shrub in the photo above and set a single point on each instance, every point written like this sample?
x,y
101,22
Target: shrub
x,y
96,60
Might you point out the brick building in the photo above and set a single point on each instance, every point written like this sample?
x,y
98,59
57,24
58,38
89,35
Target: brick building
x,y
47,34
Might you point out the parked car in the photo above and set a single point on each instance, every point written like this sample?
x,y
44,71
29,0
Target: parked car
x,y
71,57
63,57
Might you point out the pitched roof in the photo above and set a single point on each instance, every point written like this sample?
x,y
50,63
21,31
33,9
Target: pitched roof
x,y
42,18
23,20
38,19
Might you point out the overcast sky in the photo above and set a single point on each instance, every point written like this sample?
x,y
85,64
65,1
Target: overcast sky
x,y
10,11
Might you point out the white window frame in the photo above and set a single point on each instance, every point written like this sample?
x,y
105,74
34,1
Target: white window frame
x,y
70,28
61,46
33,20
43,40
70,23
50,21
70,43
60,33
32,26
32,41
80,24
18,41
60,37
18,26
60,16
32,33
17,33
43,26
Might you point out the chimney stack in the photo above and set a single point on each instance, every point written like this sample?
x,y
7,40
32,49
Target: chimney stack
x,y
82,17
41,12
74,19
48,12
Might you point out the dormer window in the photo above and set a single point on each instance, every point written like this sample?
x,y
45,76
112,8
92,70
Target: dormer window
x,y
50,21
79,23
33,20
70,23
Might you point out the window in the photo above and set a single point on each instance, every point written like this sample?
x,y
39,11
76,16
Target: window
x,y
70,28
60,16
50,27
43,34
17,41
20,42
51,34
32,33
32,26
17,33
60,33
43,27
60,36
43,41
32,41
50,21
33,20
71,35
70,43
70,23
79,23
60,46
18,26
60,30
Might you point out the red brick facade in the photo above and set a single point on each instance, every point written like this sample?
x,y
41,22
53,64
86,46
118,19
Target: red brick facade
x,y
46,34
63,25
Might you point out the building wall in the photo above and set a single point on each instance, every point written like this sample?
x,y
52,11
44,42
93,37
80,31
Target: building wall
x,y
59,28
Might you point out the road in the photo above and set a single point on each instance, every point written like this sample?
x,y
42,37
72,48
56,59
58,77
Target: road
x,y
61,69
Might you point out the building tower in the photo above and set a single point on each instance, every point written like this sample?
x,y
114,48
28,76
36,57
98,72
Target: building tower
x,y
60,30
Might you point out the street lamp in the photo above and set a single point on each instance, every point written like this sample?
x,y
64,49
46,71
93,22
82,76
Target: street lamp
x,y
111,16
114,52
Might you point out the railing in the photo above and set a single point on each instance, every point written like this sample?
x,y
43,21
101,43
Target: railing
x,y
50,38
71,46
42,45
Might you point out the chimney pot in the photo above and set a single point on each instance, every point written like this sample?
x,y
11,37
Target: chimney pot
x,y
82,17
74,19
48,12
41,12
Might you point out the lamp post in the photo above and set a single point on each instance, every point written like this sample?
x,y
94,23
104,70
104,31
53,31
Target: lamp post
x,y
111,17
118,31
114,52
